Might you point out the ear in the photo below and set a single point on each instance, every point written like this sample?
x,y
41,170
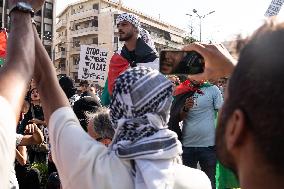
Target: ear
x,y
236,130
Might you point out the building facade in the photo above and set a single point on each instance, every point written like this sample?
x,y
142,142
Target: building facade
x,y
43,19
92,22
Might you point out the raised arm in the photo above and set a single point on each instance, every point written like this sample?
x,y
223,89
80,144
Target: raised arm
x,y
20,58
52,96
218,61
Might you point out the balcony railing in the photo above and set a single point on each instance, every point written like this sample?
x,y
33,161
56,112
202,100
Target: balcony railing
x,y
61,24
60,39
84,31
83,14
75,50
59,55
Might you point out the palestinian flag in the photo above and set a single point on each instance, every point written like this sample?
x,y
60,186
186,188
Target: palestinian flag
x,y
117,65
3,45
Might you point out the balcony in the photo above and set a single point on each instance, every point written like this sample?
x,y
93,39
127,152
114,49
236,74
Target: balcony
x,y
75,68
60,25
60,39
84,31
75,50
60,55
84,14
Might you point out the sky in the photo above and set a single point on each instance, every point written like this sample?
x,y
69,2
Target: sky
x,y
231,17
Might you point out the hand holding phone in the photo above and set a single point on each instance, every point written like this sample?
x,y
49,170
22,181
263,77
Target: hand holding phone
x,y
218,61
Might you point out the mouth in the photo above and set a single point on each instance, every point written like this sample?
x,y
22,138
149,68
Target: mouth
x,y
166,68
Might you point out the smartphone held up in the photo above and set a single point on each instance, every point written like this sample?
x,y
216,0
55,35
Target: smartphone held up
x,y
174,62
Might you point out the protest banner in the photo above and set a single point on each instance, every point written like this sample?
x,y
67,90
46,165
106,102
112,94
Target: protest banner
x,y
93,64
274,8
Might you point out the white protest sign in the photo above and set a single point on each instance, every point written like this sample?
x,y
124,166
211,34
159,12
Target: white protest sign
x,y
93,64
274,8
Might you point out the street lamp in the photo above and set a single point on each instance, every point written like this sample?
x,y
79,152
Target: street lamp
x,y
200,20
191,28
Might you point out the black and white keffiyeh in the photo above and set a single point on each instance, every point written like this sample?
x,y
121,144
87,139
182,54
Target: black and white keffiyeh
x,y
131,18
139,113
134,20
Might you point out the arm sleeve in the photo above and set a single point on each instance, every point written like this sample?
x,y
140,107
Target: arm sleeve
x,y
7,141
217,98
82,162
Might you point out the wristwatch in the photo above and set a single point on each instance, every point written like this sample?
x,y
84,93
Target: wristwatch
x,y
23,7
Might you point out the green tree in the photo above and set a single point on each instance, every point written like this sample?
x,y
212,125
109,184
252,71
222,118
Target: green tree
x,y
189,39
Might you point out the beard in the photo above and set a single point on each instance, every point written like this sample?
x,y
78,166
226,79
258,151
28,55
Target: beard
x,y
126,36
223,155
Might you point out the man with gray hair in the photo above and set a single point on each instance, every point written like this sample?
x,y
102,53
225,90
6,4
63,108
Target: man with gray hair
x,y
138,50
99,126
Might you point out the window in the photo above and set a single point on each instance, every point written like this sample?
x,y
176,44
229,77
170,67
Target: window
x,y
114,18
61,49
48,13
38,13
95,22
86,24
48,49
47,27
96,40
115,39
76,42
96,6
75,75
47,35
76,60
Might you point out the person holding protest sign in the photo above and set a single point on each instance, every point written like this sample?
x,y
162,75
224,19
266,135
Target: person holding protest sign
x,y
138,50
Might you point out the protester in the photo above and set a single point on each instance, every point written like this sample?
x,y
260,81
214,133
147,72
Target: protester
x,y
100,127
83,107
87,163
24,172
138,50
18,69
85,89
198,133
68,86
94,92
53,181
250,130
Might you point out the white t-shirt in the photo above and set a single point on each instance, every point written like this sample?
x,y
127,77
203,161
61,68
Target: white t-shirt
x,y
82,162
7,141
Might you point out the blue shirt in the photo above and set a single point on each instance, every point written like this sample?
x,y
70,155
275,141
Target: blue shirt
x,y
199,124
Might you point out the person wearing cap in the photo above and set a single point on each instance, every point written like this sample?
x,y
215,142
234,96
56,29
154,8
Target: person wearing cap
x,y
138,50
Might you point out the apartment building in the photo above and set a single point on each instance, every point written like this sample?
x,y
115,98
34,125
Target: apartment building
x,y
92,22
43,19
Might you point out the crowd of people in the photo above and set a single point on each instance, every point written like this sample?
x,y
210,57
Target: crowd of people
x,y
221,128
